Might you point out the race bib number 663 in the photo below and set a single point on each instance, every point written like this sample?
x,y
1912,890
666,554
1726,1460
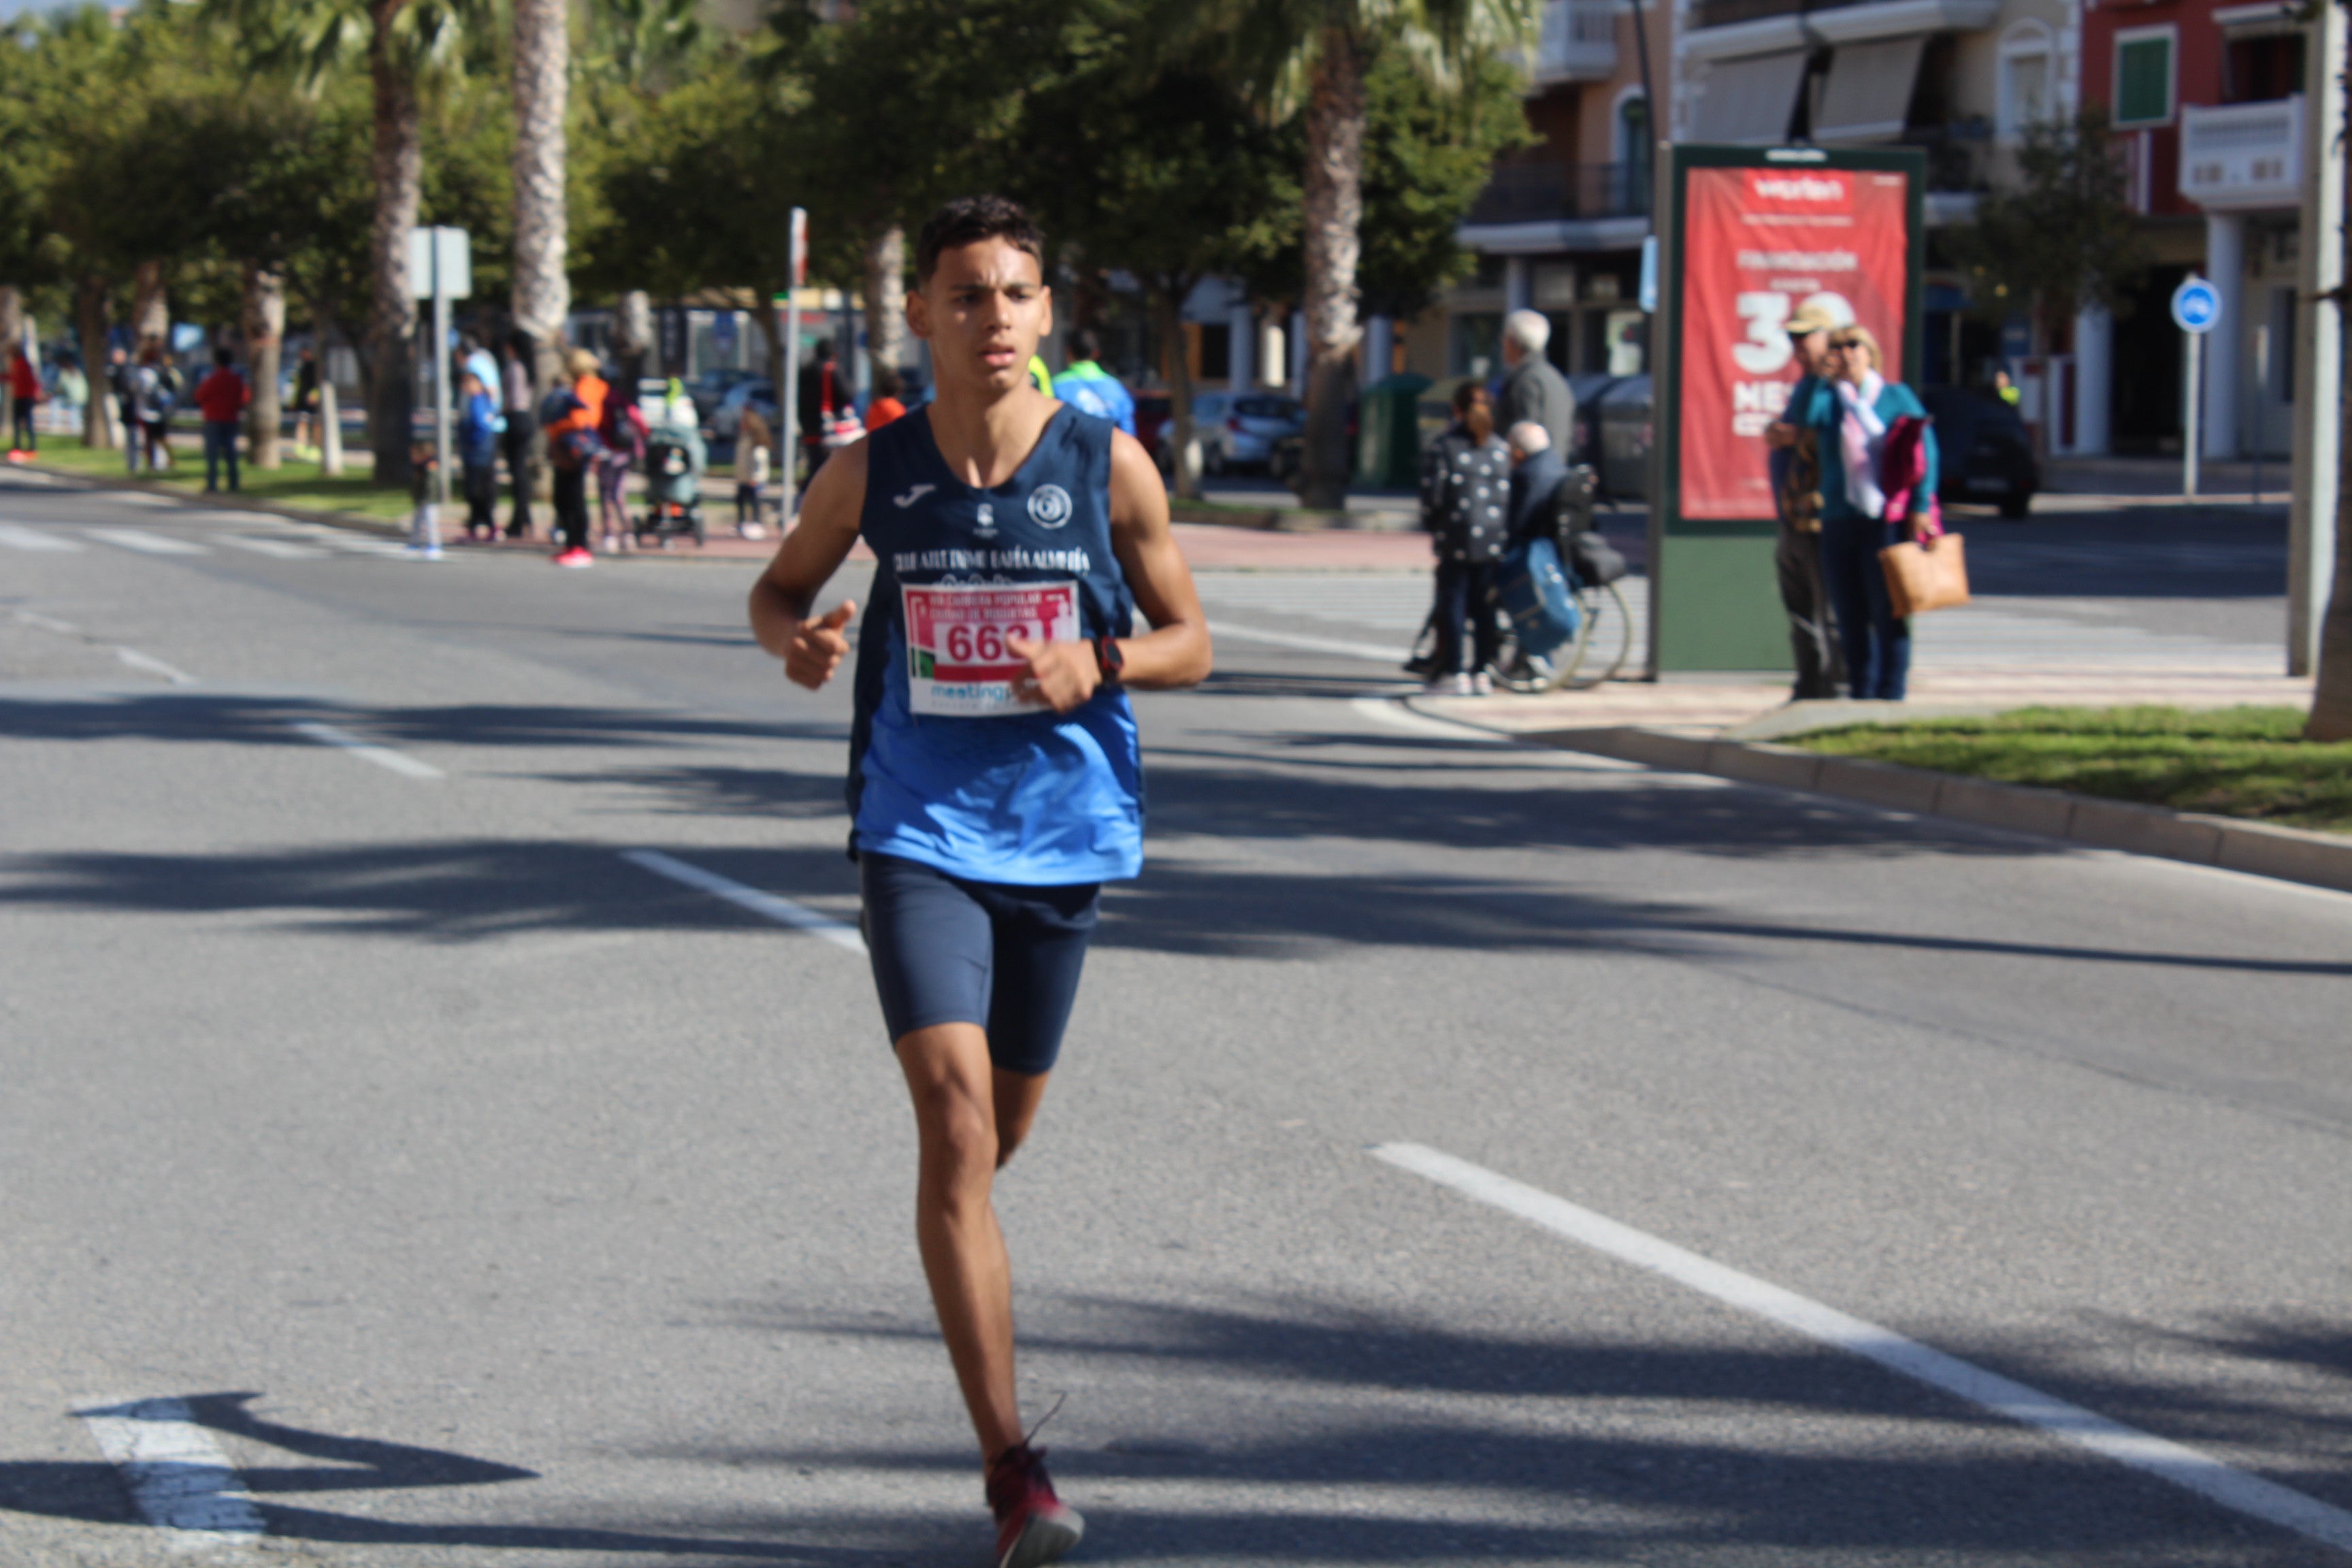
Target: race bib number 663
x,y
958,662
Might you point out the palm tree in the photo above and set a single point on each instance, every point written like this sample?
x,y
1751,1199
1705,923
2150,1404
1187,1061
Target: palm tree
x,y
543,66
405,42
1328,45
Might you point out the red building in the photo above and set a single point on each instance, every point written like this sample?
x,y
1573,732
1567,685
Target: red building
x,y
2206,102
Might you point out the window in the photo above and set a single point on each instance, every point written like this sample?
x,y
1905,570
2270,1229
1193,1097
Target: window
x,y
2026,79
1636,145
2144,77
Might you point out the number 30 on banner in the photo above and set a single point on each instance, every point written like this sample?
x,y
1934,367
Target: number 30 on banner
x,y
1767,312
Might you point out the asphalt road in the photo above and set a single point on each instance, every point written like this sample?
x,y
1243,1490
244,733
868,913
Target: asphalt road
x,y
396,1172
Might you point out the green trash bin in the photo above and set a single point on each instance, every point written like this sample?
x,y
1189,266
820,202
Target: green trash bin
x,y
1387,432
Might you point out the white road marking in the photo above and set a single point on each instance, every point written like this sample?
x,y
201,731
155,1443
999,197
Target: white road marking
x,y
35,618
367,750
146,543
180,1480
154,666
16,537
768,906
2182,1466
275,549
1390,656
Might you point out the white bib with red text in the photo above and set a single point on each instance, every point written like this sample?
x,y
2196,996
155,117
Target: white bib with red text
x,y
958,663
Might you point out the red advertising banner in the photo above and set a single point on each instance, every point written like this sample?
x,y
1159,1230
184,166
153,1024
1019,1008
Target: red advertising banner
x,y
1759,245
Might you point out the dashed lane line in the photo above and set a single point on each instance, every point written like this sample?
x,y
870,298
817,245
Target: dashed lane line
x,y
767,906
179,1479
146,543
2184,1467
154,666
367,751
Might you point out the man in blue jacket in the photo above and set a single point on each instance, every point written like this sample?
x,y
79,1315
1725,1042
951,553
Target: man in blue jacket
x,y
1090,389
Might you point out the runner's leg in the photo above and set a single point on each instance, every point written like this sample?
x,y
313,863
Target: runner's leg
x,y
950,1080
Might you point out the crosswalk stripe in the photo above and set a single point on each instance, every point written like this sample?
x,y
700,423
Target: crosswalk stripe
x,y
275,549
16,537
146,543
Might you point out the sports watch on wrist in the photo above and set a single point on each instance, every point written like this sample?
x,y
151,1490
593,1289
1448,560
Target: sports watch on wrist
x,y
1110,660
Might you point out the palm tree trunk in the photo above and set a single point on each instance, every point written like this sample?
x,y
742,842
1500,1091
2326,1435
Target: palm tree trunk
x,y
265,337
398,164
886,297
1335,214
98,416
542,292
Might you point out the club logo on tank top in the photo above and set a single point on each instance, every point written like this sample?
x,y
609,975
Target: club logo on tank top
x,y
1049,506
985,527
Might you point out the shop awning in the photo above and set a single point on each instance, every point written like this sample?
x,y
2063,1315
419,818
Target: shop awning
x,y
1868,95
1749,101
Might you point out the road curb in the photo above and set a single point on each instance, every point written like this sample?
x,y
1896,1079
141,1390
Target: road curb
x,y
221,500
2287,854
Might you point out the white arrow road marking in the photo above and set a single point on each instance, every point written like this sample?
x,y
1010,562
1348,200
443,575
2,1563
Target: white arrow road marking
x,y
146,543
367,750
2184,1467
784,911
16,537
154,666
180,1480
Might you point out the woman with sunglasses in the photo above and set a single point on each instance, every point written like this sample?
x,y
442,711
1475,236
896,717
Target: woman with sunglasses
x,y
1854,522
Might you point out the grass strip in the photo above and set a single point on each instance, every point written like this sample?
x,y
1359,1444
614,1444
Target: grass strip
x,y
297,483
2244,761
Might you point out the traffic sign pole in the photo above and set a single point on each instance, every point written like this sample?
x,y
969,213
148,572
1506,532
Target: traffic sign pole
x,y
788,402
2196,309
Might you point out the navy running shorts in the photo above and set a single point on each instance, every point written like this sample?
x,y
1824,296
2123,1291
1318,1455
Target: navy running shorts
x,y
950,950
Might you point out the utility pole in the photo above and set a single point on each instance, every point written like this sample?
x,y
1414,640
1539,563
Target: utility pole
x,y
2319,346
788,402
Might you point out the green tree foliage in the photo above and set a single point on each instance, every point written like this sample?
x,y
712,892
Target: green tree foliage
x,y
2063,237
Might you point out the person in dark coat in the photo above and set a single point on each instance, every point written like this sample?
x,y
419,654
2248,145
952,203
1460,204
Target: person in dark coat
x,y
1535,482
1793,461
1466,485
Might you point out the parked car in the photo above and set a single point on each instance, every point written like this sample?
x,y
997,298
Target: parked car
x,y
1627,430
1153,411
710,388
728,416
1242,431
1986,454
1584,434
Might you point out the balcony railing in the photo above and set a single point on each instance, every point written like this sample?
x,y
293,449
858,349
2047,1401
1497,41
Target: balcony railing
x,y
1723,13
2240,155
1577,42
1551,192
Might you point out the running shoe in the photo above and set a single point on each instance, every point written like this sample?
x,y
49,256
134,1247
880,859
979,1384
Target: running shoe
x,y
576,557
1034,1527
1482,685
1448,685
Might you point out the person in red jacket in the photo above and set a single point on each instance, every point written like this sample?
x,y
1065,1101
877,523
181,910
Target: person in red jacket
x,y
25,389
221,396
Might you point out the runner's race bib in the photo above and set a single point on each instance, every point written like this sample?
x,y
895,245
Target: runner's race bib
x,y
957,661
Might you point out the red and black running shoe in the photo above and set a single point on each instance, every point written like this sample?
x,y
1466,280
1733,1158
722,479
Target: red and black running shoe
x,y
1033,1526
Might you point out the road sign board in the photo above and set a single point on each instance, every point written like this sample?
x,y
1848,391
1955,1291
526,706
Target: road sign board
x,y
448,252
2196,305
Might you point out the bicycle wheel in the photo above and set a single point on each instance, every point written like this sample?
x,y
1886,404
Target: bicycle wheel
x,y
1604,639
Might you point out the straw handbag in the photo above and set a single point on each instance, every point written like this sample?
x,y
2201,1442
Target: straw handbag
x,y
1928,571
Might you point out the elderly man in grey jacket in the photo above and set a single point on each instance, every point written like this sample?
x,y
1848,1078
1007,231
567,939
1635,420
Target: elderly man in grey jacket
x,y
1533,392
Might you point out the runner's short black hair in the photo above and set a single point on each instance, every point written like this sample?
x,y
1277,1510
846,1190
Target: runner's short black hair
x,y
968,220
1086,344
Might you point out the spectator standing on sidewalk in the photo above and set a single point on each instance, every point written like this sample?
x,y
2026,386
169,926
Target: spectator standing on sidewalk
x,y
221,398
1090,389
1533,391
25,395
572,415
478,449
1466,483
118,374
73,388
624,435
885,406
753,441
1794,461
153,394
1861,407
308,436
516,403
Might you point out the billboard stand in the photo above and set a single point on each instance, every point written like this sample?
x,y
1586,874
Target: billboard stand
x,y
1749,235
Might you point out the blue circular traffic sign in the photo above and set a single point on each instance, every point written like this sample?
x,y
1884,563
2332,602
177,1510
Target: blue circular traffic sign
x,y
2196,305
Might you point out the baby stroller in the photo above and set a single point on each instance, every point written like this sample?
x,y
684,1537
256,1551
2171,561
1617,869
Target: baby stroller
x,y
674,465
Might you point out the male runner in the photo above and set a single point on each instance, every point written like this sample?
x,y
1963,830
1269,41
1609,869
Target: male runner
x,y
994,773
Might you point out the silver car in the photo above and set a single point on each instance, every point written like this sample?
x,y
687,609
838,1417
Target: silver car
x,y
1242,430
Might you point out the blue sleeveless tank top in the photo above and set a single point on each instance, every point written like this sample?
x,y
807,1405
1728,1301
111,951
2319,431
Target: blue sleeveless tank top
x,y
1032,797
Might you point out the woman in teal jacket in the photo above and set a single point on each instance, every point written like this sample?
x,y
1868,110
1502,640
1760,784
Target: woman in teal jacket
x,y
1854,410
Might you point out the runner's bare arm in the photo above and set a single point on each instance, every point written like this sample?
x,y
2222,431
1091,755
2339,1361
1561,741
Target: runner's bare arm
x,y
1176,651
813,648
